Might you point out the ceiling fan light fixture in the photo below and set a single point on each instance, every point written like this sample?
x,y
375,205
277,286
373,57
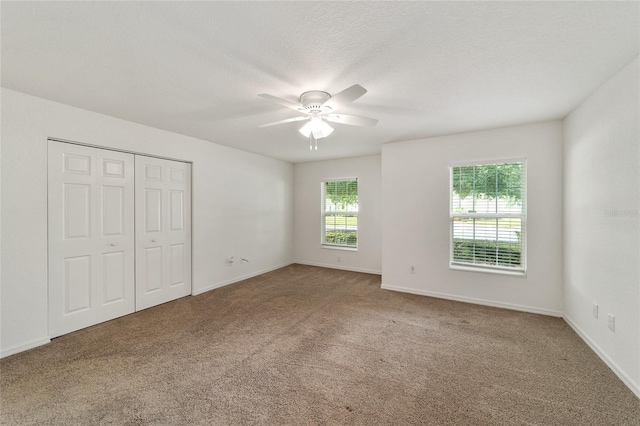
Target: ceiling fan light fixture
x,y
316,126
318,107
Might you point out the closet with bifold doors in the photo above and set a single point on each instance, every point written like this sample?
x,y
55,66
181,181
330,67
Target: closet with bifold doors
x,y
119,234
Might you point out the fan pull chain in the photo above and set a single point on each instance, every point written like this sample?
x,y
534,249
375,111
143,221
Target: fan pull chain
x,y
313,143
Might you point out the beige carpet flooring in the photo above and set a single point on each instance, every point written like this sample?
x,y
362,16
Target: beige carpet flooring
x,y
306,345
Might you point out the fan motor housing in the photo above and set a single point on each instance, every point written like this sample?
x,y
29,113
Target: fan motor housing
x,y
312,100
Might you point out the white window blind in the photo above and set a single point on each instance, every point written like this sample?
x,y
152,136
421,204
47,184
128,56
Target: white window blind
x,y
488,216
340,213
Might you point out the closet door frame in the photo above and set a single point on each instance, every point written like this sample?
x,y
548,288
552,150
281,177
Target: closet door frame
x,y
135,153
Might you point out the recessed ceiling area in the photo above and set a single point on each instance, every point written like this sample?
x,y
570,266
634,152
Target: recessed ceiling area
x,y
430,68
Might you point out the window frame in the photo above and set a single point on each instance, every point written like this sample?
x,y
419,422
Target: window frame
x,y
477,267
324,213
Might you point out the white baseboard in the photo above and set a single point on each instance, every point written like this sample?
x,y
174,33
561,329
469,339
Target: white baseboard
x,y
237,279
635,388
21,348
342,268
484,302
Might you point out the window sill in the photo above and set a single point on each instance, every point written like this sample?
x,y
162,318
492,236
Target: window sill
x,y
515,273
331,247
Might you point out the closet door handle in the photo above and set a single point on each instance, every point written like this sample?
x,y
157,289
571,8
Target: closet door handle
x,y
113,244
153,241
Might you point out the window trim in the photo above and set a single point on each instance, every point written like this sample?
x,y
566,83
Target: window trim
x,y
323,214
501,270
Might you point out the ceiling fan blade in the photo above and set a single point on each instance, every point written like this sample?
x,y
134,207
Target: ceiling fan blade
x,y
345,97
288,120
283,102
352,120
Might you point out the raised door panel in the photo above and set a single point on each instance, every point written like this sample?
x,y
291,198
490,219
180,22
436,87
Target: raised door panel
x,y
153,172
77,211
113,168
176,210
113,210
76,163
153,269
177,172
77,284
114,279
152,210
176,265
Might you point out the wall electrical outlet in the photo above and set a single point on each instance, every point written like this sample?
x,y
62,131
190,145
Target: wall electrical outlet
x,y
612,323
595,310
339,259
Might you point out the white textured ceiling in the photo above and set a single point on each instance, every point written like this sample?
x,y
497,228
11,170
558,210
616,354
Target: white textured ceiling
x,y
431,68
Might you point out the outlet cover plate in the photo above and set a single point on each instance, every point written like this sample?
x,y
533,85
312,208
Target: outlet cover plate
x,y
612,323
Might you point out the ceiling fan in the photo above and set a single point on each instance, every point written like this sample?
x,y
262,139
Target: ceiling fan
x,y
319,107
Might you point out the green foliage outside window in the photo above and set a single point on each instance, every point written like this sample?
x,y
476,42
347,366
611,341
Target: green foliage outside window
x,y
342,238
486,252
342,193
489,181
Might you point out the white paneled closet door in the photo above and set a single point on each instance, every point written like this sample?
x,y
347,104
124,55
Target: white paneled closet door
x,y
91,236
163,231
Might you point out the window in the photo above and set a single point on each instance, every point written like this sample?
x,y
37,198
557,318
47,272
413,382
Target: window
x,y
340,213
488,216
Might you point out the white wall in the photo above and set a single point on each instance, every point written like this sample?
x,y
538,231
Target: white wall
x,y
415,230
242,205
307,213
602,221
